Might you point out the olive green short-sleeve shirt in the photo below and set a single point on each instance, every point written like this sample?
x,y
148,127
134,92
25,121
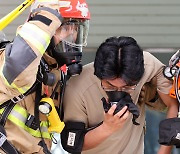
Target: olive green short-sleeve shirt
x,y
82,102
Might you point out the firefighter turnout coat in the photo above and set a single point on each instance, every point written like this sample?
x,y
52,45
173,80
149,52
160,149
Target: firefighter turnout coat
x,y
19,63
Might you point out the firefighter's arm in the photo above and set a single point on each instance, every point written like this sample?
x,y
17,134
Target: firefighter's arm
x,y
157,100
172,106
171,103
164,87
22,57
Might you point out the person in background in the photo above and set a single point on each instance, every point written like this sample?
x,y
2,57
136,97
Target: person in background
x,y
106,111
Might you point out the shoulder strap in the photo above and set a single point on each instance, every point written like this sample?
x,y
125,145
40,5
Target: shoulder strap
x,y
5,145
8,105
8,108
3,44
36,114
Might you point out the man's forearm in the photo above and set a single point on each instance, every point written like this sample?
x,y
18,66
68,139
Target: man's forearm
x,y
172,110
95,137
165,149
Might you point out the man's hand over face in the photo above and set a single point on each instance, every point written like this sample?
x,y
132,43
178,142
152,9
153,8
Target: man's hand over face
x,y
112,122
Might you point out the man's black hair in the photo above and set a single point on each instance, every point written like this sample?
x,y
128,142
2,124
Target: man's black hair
x,y
119,57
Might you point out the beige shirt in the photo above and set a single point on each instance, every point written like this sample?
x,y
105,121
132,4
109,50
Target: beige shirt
x,y
82,102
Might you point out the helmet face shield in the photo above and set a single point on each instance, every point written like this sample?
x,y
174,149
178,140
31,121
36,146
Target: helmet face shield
x,y
74,33
64,47
68,41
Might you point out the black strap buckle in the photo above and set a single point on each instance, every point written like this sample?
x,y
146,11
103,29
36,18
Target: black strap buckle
x,y
18,98
2,139
31,122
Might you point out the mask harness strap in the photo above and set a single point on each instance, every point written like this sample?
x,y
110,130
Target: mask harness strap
x,y
64,78
5,145
36,114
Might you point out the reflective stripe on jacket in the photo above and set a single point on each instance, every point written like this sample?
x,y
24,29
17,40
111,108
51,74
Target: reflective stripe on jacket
x,y
19,117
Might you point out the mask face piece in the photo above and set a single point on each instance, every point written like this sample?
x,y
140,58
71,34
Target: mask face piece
x,y
122,99
74,32
71,58
66,46
115,96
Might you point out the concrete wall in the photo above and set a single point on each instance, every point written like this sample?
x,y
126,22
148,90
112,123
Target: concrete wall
x,y
154,23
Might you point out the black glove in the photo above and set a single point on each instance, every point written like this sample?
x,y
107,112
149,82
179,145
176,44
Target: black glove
x,y
169,132
121,99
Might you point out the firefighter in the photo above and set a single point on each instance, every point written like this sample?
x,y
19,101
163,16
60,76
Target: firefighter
x,y
52,37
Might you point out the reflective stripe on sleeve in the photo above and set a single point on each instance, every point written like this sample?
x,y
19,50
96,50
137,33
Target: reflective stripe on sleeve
x,y
36,36
19,116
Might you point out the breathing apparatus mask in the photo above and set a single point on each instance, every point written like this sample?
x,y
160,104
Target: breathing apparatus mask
x,y
121,99
72,35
